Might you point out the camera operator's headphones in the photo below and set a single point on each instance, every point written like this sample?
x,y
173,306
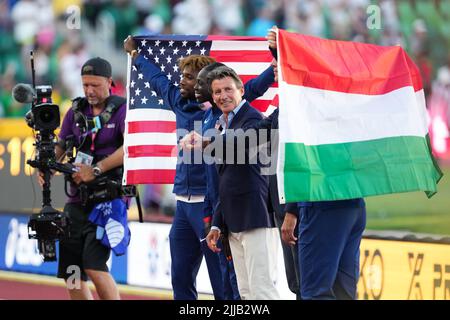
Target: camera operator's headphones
x,y
80,104
84,124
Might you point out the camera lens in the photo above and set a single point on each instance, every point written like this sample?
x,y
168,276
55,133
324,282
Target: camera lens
x,y
46,116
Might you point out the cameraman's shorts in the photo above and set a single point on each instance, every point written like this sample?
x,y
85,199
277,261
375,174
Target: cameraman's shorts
x,y
81,250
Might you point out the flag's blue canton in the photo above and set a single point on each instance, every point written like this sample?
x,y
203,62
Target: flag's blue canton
x,y
164,51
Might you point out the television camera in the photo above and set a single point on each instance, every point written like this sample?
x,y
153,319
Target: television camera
x,y
49,224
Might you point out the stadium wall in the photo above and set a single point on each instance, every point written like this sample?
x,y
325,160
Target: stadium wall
x,y
401,268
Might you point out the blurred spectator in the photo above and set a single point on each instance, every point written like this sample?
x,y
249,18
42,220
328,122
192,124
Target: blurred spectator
x,y
390,37
153,24
251,7
28,17
192,17
419,41
304,16
45,60
10,107
120,86
426,71
263,22
389,15
359,30
72,55
227,15
340,20
143,8
125,19
442,88
443,74
92,9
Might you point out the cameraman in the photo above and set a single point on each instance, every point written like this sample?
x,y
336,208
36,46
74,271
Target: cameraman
x,y
99,151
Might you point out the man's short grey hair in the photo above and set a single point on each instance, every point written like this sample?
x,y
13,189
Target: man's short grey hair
x,y
221,73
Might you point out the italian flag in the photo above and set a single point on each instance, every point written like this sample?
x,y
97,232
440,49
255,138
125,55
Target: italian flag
x,y
352,121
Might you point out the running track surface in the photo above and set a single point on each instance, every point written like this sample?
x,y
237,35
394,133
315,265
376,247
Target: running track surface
x,y
24,286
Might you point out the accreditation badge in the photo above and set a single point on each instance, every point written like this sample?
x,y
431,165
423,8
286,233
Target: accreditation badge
x,y
84,158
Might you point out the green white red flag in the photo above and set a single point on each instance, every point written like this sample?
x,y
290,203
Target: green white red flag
x,y
352,121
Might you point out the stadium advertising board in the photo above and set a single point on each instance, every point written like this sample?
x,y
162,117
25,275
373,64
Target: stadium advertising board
x,y
20,254
403,270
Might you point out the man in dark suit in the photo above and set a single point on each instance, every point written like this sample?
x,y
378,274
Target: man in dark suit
x,y
243,193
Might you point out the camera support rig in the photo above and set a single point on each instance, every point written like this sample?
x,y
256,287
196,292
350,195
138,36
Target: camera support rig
x,y
49,224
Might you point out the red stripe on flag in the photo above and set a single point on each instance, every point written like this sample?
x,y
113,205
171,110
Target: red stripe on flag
x,y
275,101
214,37
245,78
145,176
343,66
152,151
241,56
151,126
260,105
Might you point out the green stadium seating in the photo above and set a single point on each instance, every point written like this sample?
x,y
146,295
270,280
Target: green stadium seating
x,y
407,16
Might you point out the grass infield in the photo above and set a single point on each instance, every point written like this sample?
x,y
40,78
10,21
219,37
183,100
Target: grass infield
x,y
412,211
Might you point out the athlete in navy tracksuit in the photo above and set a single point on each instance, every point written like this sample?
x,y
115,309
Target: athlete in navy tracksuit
x,y
190,182
329,236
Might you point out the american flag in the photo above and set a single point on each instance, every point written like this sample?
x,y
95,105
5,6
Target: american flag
x,y
150,139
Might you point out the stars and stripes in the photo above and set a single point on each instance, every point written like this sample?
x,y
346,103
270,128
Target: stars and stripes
x,y
150,139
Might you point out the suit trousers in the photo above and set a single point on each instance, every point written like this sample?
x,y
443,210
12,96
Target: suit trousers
x,y
187,251
254,259
230,287
290,255
329,238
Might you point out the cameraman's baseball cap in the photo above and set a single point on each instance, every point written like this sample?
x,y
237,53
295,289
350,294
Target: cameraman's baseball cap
x,y
97,67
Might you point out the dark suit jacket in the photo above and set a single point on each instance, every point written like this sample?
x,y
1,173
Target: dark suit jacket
x,y
269,123
243,191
